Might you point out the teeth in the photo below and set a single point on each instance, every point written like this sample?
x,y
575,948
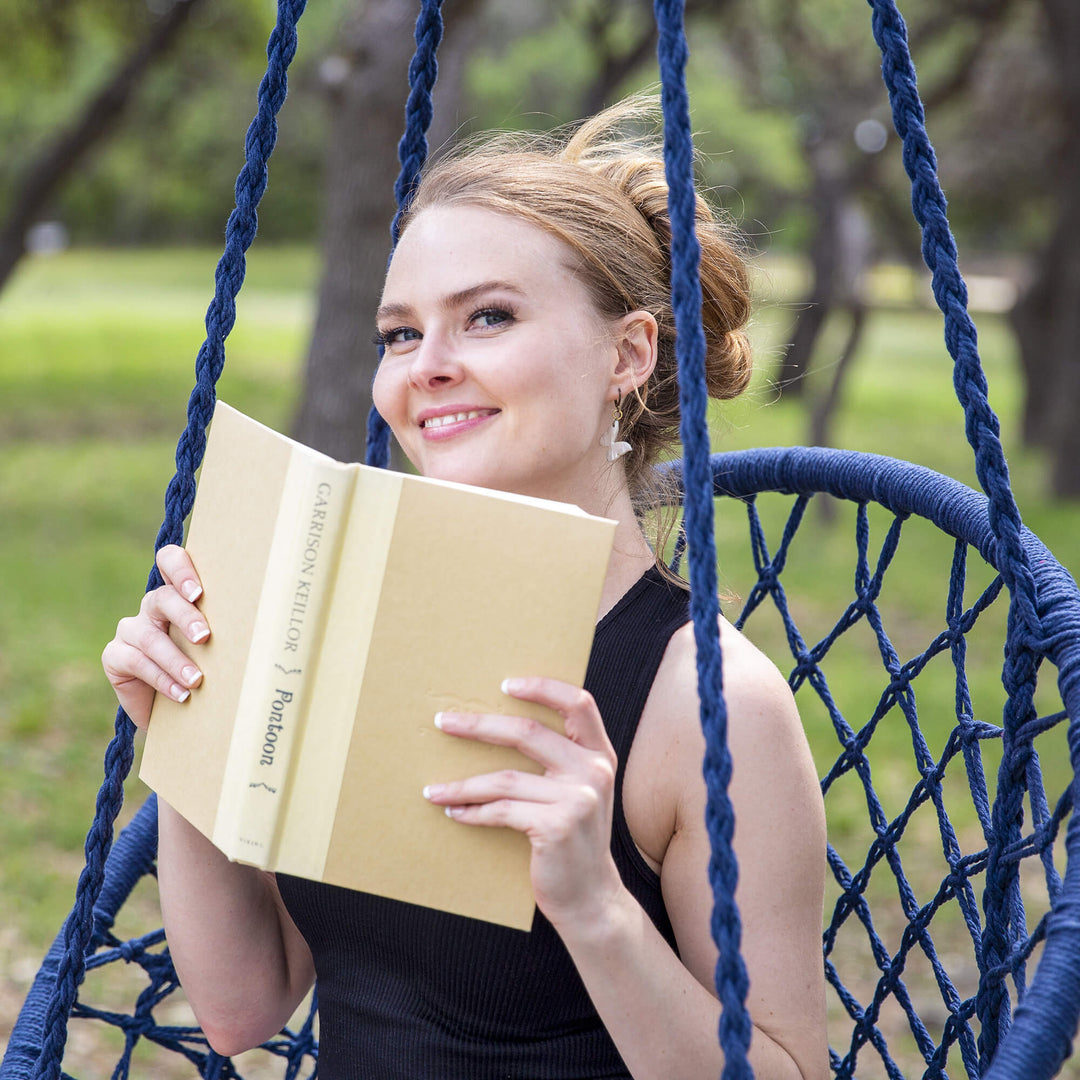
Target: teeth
x,y
453,418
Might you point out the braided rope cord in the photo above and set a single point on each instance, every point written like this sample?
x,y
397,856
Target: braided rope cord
x,y
1002,901
1003,947
220,316
412,153
731,978
1038,1047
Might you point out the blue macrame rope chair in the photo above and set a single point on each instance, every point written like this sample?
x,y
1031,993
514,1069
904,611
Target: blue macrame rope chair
x,y
985,1016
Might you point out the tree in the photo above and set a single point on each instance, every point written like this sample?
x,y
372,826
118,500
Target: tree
x,y
125,121
98,117
820,63
366,85
1047,317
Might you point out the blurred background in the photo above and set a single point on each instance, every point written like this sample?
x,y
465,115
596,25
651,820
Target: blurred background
x,y
122,131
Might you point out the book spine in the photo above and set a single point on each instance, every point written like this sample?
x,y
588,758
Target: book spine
x,y
283,658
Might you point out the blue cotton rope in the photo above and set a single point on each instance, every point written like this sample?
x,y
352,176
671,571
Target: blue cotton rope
x,y
1046,1016
1004,909
1005,942
220,316
731,978
412,153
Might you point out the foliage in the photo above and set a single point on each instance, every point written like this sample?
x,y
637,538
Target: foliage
x,y
95,366
169,169
764,78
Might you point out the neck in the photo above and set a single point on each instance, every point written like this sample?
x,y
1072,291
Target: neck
x,y
631,555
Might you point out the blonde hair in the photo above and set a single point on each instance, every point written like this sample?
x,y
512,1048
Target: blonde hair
x,y
600,188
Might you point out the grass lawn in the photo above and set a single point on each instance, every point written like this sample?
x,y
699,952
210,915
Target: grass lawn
x,y
96,353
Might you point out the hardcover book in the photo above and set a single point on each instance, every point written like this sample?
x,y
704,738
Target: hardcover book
x,y
347,606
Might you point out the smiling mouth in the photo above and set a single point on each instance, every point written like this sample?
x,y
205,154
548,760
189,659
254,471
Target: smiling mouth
x,y
456,418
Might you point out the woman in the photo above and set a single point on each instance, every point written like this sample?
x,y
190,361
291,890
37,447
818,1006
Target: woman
x,y
529,346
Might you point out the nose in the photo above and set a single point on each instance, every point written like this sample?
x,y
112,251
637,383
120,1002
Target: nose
x,y
434,364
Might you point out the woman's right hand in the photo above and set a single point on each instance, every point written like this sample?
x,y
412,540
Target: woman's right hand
x,y
142,659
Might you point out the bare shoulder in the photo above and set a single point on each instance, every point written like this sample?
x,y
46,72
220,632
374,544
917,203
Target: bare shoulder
x,y
779,834
765,735
753,685
763,719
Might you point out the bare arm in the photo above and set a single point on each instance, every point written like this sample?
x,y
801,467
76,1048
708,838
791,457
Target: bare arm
x,y
666,1024
660,1010
243,964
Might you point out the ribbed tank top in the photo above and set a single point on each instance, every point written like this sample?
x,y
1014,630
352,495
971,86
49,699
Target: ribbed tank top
x,y
410,993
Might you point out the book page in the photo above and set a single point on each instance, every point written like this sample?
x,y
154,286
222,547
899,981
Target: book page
x,y
475,590
229,540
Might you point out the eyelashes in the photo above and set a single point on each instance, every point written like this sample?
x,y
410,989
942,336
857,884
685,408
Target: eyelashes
x,y
500,316
382,338
504,315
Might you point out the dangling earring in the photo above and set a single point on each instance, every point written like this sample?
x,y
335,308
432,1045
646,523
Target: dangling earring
x,y
610,438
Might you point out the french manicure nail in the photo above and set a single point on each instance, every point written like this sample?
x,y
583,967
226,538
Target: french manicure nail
x,y
192,591
179,693
198,631
191,675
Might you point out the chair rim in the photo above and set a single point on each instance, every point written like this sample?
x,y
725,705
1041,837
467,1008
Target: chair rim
x,y
903,488
906,489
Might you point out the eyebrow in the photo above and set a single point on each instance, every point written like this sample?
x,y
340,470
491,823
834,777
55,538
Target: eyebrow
x,y
452,300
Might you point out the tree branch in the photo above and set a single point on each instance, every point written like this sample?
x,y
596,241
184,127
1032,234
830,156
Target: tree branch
x,y
56,162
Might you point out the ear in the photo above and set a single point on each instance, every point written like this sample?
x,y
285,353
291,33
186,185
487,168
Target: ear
x,y
635,342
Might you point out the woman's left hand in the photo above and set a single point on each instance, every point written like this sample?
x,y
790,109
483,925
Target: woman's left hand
x,y
565,811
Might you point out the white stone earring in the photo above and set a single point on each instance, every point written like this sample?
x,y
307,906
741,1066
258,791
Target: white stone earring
x,y
610,438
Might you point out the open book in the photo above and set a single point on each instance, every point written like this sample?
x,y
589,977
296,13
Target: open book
x,y
347,606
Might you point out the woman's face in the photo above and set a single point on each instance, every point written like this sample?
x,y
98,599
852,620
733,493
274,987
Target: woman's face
x,y
498,370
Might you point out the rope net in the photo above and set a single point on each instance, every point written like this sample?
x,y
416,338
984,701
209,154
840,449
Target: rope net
x,y
905,942
1009,815
898,685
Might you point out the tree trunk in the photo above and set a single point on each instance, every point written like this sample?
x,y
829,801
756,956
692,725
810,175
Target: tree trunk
x,y
1062,270
367,105
1047,318
1033,322
57,161
826,199
821,416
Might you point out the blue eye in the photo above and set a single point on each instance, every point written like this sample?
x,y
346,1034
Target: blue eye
x,y
488,317
395,336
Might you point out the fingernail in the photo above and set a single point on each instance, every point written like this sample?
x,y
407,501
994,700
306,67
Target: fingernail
x,y
192,591
179,693
439,720
198,631
191,675
433,791
510,686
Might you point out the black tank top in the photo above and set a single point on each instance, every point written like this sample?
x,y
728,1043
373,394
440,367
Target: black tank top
x,y
410,993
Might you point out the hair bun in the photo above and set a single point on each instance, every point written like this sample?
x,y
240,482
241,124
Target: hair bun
x,y
601,189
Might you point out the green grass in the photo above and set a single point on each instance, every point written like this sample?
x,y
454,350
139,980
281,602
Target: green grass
x,y
96,363
96,352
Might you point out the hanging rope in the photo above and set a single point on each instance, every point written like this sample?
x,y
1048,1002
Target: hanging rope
x,y
731,978
1003,907
240,232
412,153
